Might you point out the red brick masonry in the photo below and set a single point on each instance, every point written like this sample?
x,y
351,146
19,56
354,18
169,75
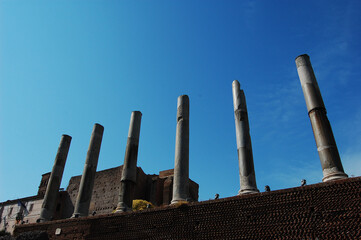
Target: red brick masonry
x,y
320,211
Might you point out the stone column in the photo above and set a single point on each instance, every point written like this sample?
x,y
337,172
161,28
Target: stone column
x,y
87,179
52,190
244,147
129,174
181,165
325,141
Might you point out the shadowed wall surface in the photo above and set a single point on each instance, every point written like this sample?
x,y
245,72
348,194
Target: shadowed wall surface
x,y
106,189
321,211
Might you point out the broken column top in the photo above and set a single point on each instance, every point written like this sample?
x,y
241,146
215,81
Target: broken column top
x,y
310,88
302,60
235,83
183,107
98,130
99,127
239,100
66,136
134,127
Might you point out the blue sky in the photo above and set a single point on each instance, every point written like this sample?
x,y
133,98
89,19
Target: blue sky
x,y
65,65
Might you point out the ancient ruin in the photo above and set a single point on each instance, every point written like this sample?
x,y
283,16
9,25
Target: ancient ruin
x,y
181,162
56,175
247,174
87,180
154,188
325,141
129,176
101,202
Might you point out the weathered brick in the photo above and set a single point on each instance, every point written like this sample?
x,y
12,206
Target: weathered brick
x,y
325,211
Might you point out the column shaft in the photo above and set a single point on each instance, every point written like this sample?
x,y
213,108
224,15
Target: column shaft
x,y
244,147
325,141
181,165
52,190
87,179
129,174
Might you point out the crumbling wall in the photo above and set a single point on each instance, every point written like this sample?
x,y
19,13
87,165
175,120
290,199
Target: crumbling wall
x,y
107,184
43,184
105,191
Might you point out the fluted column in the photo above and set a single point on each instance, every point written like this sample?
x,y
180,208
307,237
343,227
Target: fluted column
x,y
326,145
52,189
129,174
87,179
244,147
181,165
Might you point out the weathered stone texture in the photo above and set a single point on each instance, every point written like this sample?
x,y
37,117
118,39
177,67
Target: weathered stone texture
x,y
326,145
129,173
181,159
52,190
86,185
247,173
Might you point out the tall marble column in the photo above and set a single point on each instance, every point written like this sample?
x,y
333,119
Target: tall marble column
x,y
129,174
181,166
326,145
87,179
244,147
52,190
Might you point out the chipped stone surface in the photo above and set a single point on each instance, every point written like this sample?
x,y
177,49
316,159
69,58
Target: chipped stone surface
x,y
56,175
181,162
326,145
129,174
87,180
247,173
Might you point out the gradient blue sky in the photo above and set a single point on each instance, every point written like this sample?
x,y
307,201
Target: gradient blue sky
x,y
65,65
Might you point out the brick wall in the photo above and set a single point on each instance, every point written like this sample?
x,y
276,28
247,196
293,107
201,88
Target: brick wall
x,y
106,190
43,184
320,211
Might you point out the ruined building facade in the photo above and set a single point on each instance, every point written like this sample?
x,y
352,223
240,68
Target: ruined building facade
x,y
156,189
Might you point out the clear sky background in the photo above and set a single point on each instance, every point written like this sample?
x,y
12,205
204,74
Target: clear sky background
x,y
65,65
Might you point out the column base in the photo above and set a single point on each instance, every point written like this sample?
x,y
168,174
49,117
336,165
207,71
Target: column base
x,y
77,215
175,201
122,207
248,191
41,220
334,176
45,215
